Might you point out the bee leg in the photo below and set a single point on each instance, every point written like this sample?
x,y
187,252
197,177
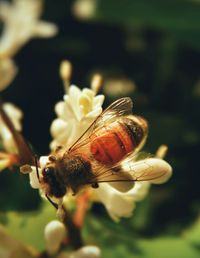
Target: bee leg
x,y
95,185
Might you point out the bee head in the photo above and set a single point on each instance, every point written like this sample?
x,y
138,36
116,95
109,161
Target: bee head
x,y
54,185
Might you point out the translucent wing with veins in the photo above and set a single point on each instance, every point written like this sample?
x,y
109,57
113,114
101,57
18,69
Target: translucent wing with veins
x,y
120,107
154,170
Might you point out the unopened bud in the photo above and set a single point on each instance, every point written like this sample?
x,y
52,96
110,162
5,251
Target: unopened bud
x,y
54,233
162,151
96,83
65,70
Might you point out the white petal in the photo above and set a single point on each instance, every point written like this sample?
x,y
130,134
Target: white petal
x,y
8,71
117,203
14,113
139,191
4,163
59,107
58,126
98,101
7,139
94,113
33,179
74,95
43,161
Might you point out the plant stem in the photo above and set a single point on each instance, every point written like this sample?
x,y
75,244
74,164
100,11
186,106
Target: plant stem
x,y
74,232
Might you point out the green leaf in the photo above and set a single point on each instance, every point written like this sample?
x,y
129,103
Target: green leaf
x,y
171,14
10,247
180,18
192,235
28,227
165,247
117,240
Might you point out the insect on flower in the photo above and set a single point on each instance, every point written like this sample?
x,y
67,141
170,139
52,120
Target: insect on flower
x,y
113,139
106,152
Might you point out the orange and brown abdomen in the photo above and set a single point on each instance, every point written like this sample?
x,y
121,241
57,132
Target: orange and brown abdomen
x,y
113,142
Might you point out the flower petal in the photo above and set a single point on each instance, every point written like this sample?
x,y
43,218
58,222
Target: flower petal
x,y
116,203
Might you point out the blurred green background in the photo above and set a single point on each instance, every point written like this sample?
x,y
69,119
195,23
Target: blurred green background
x,y
156,44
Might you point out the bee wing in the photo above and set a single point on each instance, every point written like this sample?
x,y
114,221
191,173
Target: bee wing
x,y
120,107
26,155
153,170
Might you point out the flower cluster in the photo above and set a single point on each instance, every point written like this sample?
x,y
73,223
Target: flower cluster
x,y
78,110
21,23
74,115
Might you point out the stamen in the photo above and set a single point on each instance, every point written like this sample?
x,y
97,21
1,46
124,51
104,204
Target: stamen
x,y
96,83
26,169
162,151
65,74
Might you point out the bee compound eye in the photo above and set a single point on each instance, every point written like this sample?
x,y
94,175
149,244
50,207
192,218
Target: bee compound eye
x,y
47,171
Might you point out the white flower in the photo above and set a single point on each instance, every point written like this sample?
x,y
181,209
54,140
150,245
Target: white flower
x,y
6,137
21,23
55,233
8,71
120,204
75,114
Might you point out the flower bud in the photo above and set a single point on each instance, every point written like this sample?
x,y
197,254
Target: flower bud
x,y
65,70
96,83
54,233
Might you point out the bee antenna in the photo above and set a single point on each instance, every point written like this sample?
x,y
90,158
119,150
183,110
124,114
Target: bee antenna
x,y
36,165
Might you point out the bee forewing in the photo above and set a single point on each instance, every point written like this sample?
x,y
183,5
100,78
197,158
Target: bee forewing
x,y
122,186
120,107
154,170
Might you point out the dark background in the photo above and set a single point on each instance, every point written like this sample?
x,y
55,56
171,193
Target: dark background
x,y
155,45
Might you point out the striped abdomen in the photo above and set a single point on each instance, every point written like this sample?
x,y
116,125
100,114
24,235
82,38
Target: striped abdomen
x,y
113,142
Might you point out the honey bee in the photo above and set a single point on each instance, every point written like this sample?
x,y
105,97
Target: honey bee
x,y
106,152
97,156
